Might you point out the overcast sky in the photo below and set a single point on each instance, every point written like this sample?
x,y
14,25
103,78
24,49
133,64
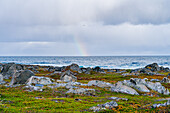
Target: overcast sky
x,y
84,27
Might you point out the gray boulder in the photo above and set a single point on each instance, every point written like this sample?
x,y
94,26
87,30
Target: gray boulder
x,y
119,87
52,69
168,102
75,67
38,80
99,84
9,69
21,77
100,107
144,70
88,70
110,105
1,78
68,76
99,70
165,80
151,73
154,86
68,85
168,75
81,91
137,84
164,69
142,88
153,67
157,87
117,98
96,109
33,88
161,105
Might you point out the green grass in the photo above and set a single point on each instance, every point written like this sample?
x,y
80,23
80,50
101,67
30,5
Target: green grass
x,y
18,100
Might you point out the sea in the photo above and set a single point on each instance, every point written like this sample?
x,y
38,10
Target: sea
x,y
105,62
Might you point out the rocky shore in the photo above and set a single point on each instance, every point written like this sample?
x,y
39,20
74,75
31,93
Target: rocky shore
x,y
151,81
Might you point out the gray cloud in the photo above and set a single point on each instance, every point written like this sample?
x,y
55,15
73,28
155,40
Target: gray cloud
x,y
66,12
98,27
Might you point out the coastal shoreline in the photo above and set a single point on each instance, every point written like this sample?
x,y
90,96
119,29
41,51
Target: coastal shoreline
x,y
111,89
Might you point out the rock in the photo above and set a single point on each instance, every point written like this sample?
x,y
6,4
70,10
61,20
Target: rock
x,y
9,69
33,69
83,70
75,67
135,70
110,70
33,88
168,102
165,80
99,70
96,109
137,84
157,87
166,92
100,107
58,85
72,67
56,101
161,105
109,105
158,105
119,87
142,88
168,75
117,98
82,91
52,69
141,85
68,85
164,69
1,78
21,77
77,99
99,84
162,99
38,97
144,70
68,76
38,80
154,80
151,73
153,67
126,74
88,70
167,69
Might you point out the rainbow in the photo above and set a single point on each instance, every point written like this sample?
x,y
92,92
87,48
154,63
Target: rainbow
x,y
80,46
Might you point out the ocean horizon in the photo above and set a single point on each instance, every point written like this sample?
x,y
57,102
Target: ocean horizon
x,y
105,62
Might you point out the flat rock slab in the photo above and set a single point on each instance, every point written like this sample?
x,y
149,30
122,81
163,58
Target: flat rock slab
x,y
120,88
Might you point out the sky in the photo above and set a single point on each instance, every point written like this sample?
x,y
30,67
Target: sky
x,y
84,27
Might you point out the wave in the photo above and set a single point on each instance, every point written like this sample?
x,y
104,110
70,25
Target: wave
x,y
110,62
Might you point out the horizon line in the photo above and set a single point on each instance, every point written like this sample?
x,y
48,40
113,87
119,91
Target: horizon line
x,y
79,55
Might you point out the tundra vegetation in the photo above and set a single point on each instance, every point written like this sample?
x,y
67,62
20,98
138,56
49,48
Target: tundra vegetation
x,y
30,88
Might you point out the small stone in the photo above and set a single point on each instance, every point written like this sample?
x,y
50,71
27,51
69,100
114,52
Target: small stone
x,y
56,101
